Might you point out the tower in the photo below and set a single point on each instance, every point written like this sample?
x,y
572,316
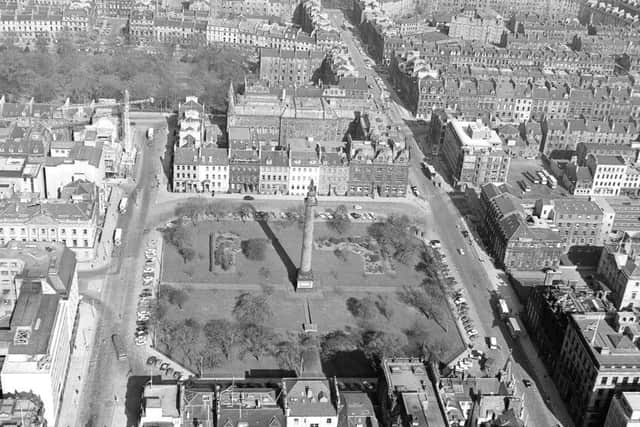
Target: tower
x,y
305,275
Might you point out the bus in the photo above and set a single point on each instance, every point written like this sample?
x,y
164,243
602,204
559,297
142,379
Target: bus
x,y
514,327
122,207
117,237
503,308
543,178
429,170
118,345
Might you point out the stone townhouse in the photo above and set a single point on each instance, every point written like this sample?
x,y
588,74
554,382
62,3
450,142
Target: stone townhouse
x,y
333,179
515,244
274,172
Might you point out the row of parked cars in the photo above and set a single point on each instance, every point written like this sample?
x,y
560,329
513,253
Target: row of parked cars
x,y
164,367
146,297
463,310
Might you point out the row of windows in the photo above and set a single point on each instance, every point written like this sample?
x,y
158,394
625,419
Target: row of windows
x,y
63,231
72,243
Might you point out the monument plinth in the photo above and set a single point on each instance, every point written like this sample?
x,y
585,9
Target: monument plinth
x,y
305,273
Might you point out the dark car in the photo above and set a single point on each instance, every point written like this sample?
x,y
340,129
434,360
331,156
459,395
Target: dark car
x,y
465,233
526,382
248,198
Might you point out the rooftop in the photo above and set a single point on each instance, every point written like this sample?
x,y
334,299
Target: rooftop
x,y
408,378
576,206
606,345
309,397
161,400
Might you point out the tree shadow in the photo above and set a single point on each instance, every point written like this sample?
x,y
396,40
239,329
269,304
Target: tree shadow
x,y
292,270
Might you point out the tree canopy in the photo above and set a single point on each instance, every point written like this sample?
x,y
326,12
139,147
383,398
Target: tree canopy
x,y
82,76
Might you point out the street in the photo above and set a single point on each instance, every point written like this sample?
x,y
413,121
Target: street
x,y
104,400
479,279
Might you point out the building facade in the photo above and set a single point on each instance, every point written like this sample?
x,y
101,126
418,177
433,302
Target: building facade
x,y
474,154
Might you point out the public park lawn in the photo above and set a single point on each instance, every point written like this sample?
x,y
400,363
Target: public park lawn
x,y
212,295
328,270
328,312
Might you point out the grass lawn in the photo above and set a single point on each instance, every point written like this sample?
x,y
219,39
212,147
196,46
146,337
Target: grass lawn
x,y
329,271
336,281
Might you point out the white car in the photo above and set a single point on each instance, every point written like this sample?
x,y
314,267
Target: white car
x,y
141,340
357,207
472,332
148,270
461,251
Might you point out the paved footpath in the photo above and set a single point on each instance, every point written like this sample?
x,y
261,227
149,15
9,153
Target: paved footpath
x,y
79,364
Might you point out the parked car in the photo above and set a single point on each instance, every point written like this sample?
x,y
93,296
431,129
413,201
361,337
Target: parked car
x,y
151,361
526,382
177,375
148,270
247,197
164,366
355,215
472,332
461,251
476,354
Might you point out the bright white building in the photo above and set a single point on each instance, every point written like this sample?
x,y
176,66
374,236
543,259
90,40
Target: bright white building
x,y
304,162
70,161
36,336
160,406
71,220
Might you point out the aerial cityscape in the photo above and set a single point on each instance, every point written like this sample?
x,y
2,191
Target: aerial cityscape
x,y
317,213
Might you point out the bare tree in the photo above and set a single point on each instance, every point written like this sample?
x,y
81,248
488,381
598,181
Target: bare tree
x,y
221,334
258,340
340,221
252,309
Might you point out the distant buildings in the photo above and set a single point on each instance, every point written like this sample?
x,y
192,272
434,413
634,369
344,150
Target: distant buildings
x,y
474,154
280,139
482,25
288,67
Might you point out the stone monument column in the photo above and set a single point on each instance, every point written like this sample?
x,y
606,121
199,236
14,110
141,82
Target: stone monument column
x,y
305,274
